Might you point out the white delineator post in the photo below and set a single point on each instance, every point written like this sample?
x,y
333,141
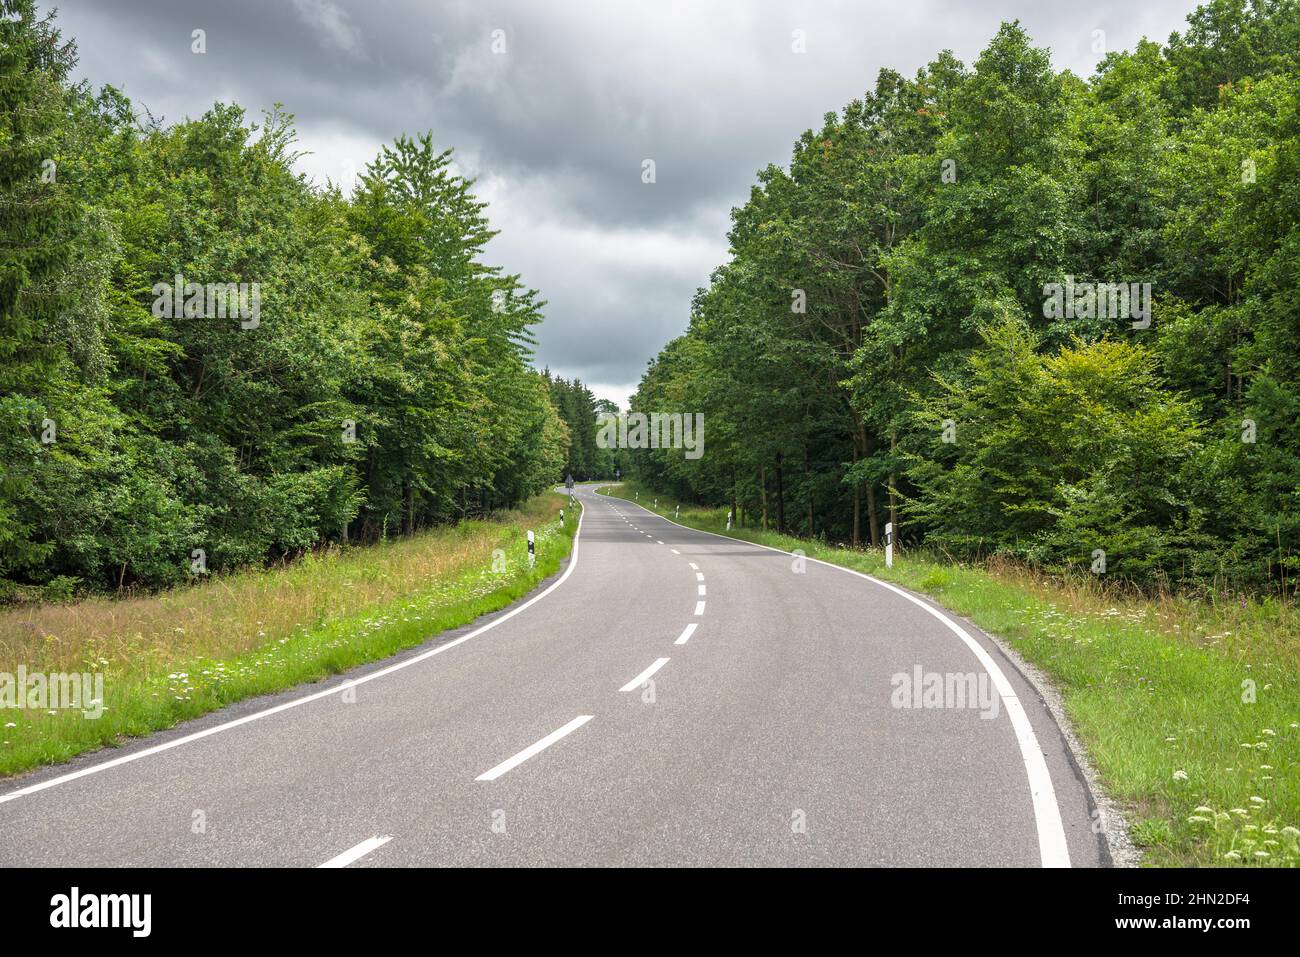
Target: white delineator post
x,y
532,550
889,544
677,512
729,513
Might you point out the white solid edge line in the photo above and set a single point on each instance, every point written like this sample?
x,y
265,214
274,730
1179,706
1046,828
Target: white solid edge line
x,y
1053,850
356,853
644,676
699,608
159,748
686,633
514,762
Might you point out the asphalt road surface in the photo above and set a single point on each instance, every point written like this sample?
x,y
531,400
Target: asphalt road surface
x,y
670,698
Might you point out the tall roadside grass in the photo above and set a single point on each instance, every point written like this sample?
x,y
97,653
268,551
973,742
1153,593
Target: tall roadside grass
x,y
177,655
1190,710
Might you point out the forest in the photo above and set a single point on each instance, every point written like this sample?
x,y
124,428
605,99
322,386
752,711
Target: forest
x,y
579,409
1019,313
208,362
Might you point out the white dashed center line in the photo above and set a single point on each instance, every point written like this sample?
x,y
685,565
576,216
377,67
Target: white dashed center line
x,y
685,636
699,608
644,676
356,853
532,749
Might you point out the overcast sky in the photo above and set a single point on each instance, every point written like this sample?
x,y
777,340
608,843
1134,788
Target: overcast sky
x,y
556,127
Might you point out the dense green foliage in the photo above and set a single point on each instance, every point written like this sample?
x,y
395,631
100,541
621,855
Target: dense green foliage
x,y
884,346
372,377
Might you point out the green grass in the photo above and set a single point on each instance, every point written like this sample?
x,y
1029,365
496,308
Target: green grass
x,y
170,657
1153,686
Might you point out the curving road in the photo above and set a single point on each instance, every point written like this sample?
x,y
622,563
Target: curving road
x,y
671,698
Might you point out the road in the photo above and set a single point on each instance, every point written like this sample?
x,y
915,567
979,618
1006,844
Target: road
x,y
670,698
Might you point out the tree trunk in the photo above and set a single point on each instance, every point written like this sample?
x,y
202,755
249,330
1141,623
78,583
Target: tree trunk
x,y
873,517
856,538
762,484
893,490
873,521
857,515
780,495
807,472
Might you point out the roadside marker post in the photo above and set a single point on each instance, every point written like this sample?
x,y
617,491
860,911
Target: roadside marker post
x,y
677,512
532,550
889,544
729,514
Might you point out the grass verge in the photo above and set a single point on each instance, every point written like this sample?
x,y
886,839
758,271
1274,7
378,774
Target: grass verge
x,y
1189,710
181,654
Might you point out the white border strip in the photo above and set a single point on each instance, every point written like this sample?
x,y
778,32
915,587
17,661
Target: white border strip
x,y
247,719
1053,851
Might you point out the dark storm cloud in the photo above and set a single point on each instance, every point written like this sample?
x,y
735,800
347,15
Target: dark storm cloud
x,y
557,127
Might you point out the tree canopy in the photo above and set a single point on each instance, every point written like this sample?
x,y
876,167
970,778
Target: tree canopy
x,y
343,367
882,345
